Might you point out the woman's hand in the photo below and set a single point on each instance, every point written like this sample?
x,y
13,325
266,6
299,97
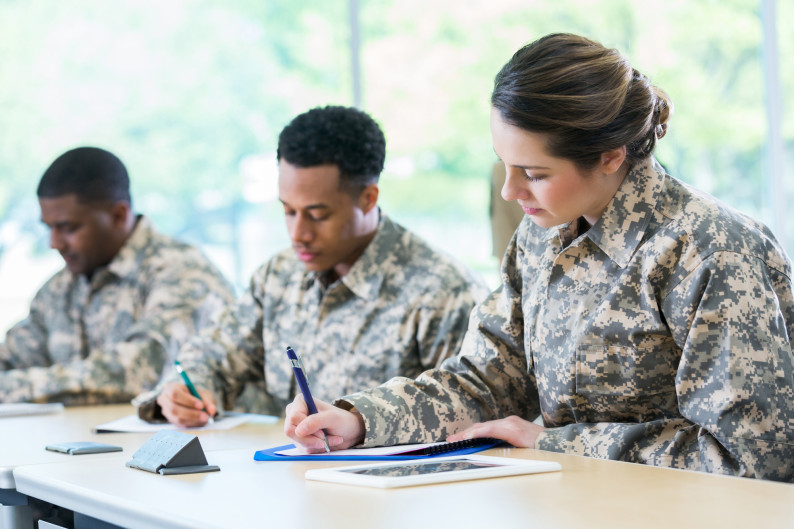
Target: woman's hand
x,y
344,428
515,430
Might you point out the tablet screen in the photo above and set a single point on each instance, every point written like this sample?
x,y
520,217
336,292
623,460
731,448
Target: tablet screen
x,y
418,469
431,470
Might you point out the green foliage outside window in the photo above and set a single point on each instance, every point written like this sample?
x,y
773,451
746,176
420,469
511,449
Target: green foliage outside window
x,y
191,94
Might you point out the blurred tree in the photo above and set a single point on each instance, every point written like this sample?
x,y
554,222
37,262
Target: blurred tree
x,y
191,94
182,91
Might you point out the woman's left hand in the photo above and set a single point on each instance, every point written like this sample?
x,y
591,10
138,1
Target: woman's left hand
x,y
515,430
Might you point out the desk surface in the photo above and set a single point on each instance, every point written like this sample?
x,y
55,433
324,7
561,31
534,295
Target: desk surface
x,y
587,493
23,438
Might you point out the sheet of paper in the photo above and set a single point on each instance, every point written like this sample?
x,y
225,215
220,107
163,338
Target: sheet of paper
x,y
14,409
132,423
376,451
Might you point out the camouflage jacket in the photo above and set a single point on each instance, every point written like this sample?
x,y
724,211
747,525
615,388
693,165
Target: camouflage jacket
x,y
107,339
658,336
401,309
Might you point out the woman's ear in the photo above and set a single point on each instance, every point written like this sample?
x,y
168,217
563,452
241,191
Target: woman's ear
x,y
612,160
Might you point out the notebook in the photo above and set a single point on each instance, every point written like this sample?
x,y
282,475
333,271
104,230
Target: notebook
x,y
381,453
15,409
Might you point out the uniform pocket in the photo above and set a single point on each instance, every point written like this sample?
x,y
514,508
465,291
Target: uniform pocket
x,y
626,371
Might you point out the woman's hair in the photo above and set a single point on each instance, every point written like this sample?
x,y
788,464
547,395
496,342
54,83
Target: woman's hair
x,y
587,99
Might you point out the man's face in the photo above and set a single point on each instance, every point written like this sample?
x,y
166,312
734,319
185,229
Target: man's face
x,y
326,224
85,235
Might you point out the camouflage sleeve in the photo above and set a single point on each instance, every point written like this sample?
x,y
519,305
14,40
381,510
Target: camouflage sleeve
x,y
179,300
26,342
734,381
442,327
486,381
223,357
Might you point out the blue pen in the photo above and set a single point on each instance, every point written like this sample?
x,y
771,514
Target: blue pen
x,y
191,387
300,376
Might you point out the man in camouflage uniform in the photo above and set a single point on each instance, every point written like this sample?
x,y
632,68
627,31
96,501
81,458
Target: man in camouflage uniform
x,y
661,335
102,329
360,297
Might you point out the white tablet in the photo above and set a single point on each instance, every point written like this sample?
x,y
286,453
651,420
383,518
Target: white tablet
x,y
433,470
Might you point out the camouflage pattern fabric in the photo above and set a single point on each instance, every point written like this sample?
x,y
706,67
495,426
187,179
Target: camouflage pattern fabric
x,y
401,309
107,339
659,336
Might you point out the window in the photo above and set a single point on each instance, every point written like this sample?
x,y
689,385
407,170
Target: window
x,y
191,94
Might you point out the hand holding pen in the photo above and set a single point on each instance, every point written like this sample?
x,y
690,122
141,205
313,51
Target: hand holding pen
x,y
303,384
342,428
192,388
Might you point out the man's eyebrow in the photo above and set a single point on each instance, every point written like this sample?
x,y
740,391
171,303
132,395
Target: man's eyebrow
x,y
58,223
310,206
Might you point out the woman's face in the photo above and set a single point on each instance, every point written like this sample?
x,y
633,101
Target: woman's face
x,y
552,191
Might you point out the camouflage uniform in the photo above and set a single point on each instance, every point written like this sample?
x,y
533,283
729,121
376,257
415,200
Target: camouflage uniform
x,y
400,310
107,339
659,336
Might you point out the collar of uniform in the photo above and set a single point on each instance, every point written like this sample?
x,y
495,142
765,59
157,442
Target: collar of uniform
x,y
127,261
367,273
622,225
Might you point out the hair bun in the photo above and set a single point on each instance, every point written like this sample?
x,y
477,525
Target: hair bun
x,y
662,110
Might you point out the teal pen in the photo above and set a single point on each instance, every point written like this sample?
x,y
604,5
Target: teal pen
x,y
191,387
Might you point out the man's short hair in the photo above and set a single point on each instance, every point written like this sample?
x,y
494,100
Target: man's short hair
x,y
93,174
342,136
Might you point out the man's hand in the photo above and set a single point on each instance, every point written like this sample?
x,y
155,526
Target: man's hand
x,y
183,409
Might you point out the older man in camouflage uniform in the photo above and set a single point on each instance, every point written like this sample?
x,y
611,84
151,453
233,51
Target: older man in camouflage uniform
x,y
360,297
102,329
661,335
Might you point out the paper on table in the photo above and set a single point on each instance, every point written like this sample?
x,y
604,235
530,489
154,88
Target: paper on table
x,y
133,423
380,453
376,451
13,409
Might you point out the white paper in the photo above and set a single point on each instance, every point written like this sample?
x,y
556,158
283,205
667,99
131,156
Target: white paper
x,y
133,423
14,409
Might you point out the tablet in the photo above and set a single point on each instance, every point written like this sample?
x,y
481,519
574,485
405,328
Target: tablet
x,y
87,447
434,470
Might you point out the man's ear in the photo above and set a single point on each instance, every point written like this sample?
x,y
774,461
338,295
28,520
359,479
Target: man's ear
x,y
120,214
368,198
612,160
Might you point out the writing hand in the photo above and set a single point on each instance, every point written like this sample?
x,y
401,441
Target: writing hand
x,y
183,409
344,428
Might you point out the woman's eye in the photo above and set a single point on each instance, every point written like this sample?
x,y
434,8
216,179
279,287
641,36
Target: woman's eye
x,y
535,178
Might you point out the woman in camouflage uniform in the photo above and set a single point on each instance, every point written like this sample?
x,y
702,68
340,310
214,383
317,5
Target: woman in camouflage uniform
x,y
642,320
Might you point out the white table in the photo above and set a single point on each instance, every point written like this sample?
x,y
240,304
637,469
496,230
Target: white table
x,y
586,493
23,438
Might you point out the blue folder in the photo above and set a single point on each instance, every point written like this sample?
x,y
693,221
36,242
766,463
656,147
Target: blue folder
x,y
459,448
